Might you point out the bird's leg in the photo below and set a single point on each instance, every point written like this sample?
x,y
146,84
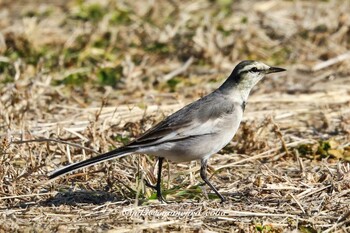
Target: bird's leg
x,y
148,184
203,173
157,187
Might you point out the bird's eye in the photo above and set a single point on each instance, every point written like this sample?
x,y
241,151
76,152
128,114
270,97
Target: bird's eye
x,y
254,69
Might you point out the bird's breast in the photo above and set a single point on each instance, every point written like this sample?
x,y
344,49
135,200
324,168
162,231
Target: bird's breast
x,y
202,141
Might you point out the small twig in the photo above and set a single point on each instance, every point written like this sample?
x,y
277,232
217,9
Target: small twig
x,y
99,111
300,162
308,193
280,135
57,141
68,155
179,70
17,65
4,59
142,227
255,214
27,195
320,205
331,62
341,221
298,203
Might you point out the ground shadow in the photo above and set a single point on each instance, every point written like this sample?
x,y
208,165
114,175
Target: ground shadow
x,y
82,197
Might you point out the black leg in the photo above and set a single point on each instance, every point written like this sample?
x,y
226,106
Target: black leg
x,y
204,177
157,187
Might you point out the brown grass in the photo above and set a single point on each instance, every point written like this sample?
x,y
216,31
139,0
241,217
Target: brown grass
x,y
78,79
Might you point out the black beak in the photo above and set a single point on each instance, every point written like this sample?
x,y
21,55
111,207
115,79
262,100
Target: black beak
x,y
275,70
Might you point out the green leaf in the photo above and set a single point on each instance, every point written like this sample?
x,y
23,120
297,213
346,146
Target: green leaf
x,y
307,229
93,12
172,83
110,76
121,139
76,79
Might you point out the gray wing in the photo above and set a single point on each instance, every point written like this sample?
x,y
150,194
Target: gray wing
x,y
194,119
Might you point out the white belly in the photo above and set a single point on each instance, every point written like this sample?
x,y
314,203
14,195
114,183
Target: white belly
x,y
201,146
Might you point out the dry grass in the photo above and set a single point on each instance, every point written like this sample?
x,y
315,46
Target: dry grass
x,y
80,78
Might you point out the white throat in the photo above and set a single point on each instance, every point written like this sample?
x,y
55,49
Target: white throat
x,y
242,89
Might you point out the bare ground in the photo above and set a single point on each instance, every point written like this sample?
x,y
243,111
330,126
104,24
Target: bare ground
x,y
81,78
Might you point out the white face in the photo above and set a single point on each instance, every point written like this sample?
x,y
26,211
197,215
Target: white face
x,y
251,74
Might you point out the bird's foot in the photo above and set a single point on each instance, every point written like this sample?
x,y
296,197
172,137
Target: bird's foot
x,y
148,184
160,197
223,199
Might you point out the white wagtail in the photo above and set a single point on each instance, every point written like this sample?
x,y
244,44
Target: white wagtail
x,y
196,131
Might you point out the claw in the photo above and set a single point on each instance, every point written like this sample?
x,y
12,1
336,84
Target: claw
x,y
223,199
148,184
159,194
161,199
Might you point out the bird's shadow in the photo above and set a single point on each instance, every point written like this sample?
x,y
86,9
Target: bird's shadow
x,y
74,198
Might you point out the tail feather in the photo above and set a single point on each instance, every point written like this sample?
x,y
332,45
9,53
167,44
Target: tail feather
x,y
89,162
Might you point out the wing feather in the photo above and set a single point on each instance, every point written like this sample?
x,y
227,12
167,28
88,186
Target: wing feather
x,y
192,120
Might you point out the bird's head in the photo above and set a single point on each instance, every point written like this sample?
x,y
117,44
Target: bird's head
x,y
248,73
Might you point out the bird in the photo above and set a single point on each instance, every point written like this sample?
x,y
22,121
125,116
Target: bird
x,y
196,131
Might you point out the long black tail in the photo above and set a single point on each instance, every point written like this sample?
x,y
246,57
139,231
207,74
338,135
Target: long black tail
x,y
100,158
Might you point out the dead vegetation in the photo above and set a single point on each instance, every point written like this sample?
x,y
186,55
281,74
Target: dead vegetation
x,y
78,78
